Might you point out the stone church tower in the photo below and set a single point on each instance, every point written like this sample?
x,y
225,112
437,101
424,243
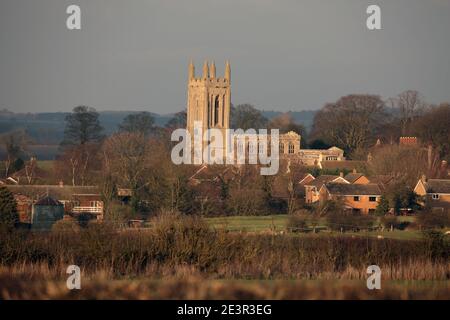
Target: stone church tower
x,y
209,99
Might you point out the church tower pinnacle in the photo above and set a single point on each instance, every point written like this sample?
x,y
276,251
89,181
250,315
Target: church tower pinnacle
x,y
205,70
191,70
209,99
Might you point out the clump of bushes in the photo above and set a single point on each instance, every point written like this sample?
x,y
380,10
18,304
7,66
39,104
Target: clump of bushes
x,y
175,239
431,219
297,223
9,217
392,222
64,226
349,221
246,202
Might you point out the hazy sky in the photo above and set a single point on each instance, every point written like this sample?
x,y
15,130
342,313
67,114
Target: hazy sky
x,y
284,54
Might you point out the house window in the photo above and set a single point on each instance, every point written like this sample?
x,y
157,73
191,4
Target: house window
x,y
372,199
435,196
356,198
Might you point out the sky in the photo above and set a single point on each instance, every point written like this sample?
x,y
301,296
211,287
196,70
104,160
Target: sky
x,y
284,54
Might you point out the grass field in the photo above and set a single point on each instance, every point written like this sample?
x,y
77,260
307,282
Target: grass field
x,y
43,164
277,223
47,165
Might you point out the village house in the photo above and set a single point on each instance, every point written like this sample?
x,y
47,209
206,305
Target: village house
x,y
361,198
76,200
435,193
312,185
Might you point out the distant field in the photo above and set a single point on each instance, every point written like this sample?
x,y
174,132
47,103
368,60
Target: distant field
x,y
46,165
278,223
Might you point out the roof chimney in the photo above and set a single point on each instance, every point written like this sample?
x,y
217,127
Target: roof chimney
x,y
341,174
423,178
354,170
61,183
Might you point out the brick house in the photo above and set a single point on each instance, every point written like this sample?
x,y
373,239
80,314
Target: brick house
x,y
312,186
76,200
436,192
361,198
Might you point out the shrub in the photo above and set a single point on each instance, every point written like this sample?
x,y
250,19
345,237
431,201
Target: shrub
x,y
246,202
383,207
347,220
297,223
437,247
389,221
118,214
431,219
9,217
64,226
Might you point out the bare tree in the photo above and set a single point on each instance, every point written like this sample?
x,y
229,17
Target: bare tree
x,y
15,144
405,164
77,163
286,123
350,123
433,128
126,155
410,104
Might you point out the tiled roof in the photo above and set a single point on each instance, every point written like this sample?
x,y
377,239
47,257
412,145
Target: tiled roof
x,y
438,186
353,189
352,177
54,191
345,164
381,179
321,180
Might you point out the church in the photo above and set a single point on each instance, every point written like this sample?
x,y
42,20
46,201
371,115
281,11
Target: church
x,y
209,103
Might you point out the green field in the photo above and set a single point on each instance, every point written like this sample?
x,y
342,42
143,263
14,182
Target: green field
x,y
47,165
43,164
277,223
250,223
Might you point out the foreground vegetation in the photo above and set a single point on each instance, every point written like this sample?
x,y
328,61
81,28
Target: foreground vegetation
x,y
183,257
19,286
176,240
